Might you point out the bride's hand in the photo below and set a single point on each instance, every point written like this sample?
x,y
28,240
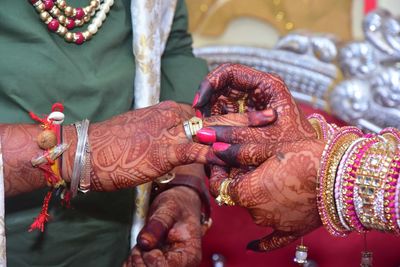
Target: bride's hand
x,y
280,193
227,85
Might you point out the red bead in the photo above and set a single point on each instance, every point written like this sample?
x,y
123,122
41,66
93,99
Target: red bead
x,y
79,38
48,4
70,24
79,13
33,1
53,25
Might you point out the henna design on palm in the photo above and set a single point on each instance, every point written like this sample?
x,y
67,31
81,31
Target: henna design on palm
x,y
279,193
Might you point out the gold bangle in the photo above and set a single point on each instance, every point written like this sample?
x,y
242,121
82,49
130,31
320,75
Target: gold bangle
x,y
332,154
338,151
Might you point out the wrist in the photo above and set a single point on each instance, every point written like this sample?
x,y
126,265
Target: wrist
x,y
191,185
69,136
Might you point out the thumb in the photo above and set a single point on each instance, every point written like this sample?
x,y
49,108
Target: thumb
x,y
275,240
157,227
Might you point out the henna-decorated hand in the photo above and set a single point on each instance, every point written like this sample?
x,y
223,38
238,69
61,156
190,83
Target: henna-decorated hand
x,y
279,193
221,90
141,145
172,235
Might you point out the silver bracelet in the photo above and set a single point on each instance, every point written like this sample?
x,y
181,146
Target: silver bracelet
x,y
81,156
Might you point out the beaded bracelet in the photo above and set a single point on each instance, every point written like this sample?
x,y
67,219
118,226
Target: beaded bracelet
x,y
331,156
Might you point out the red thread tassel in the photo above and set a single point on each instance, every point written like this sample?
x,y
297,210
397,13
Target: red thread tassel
x,y
43,217
37,118
51,178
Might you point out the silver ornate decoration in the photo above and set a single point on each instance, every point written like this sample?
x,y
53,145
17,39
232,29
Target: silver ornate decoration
x,y
369,94
303,61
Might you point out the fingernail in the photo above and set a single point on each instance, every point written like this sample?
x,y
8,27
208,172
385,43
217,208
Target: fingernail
x,y
269,112
196,99
144,243
253,246
206,136
219,146
198,114
262,118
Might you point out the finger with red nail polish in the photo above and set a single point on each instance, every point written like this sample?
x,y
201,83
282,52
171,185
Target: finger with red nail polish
x,y
206,136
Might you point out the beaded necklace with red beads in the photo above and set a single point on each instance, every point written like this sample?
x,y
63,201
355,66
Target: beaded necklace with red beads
x,y
61,18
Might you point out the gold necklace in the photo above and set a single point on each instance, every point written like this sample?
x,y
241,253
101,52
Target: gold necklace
x,y
61,18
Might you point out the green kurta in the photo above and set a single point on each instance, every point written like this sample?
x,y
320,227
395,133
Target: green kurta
x,y
94,80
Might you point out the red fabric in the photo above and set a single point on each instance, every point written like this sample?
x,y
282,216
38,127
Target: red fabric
x,y
369,5
233,228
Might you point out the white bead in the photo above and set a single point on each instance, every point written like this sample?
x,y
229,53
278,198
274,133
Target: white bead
x,y
109,2
97,21
301,255
92,28
102,15
57,117
106,9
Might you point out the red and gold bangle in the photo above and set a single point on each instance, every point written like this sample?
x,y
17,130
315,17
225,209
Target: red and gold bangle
x,y
331,157
322,128
340,180
392,134
370,185
349,178
391,196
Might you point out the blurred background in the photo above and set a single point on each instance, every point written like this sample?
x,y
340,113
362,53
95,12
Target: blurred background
x,y
260,24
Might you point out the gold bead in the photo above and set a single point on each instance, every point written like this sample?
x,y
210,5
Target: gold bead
x,y
88,10
87,35
62,19
79,22
47,139
55,11
94,4
69,37
68,11
62,30
50,18
40,7
86,18
62,4
44,15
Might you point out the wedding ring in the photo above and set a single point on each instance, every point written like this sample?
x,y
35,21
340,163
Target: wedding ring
x,y
224,198
192,126
187,130
242,104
